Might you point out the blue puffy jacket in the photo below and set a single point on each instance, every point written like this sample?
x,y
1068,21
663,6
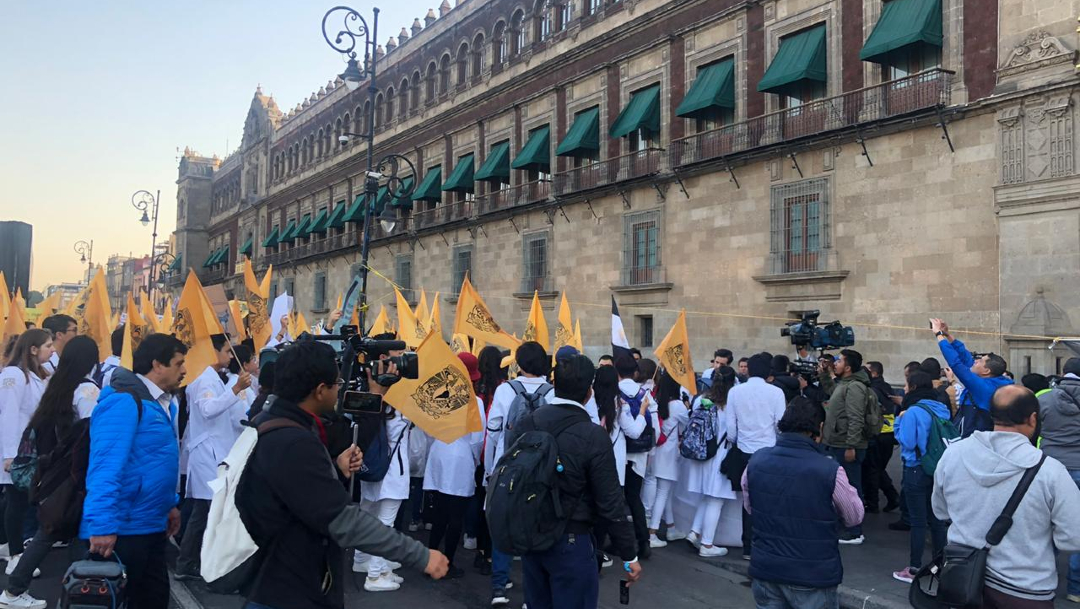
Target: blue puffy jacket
x,y
913,430
134,462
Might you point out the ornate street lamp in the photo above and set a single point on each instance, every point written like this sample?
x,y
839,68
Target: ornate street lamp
x,y
86,251
144,200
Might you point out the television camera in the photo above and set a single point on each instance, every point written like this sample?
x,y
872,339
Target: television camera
x,y
807,332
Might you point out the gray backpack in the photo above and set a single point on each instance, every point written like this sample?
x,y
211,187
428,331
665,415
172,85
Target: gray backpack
x,y
524,404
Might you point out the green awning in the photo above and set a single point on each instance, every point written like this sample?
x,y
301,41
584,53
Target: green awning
x,y
461,178
210,259
643,112
176,263
304,228
429,189
903,23
496,167
289,233
801,57
272,239
222,255
355,213
245,249
337,217
584,135
713,89
399,199
319,224
536,153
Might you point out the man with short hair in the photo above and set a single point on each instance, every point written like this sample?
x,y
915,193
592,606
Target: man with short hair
x,y
780,375
799,498
981,377
1059,417
130,506
565,575
606,360
879,450
743,371
721,357
845,436
292,500
111,363
63,328
636,353
975,479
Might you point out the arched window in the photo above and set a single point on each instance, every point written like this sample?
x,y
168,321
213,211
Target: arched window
x,y
366,119
564,12
357,122
389,105
499,43
462,64
414,91
444,74
319,144
517,33
429,83
403,98
327,144
477,67
311,148
304,153
346,125
542,21
378,110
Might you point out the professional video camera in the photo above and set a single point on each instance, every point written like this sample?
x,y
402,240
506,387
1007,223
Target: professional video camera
x,y
808,333
355,397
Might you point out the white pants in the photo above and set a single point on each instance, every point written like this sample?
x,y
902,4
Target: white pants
x,y
386,511
707,517
661,507
648,490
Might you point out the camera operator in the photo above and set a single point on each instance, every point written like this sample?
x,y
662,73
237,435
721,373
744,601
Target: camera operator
x,y
295,506
780,376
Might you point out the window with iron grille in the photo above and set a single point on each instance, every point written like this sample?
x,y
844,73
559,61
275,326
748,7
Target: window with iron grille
x,y
319,302
403,276
799,220
273,290
641,248
535,267
645,325
290,286
461,267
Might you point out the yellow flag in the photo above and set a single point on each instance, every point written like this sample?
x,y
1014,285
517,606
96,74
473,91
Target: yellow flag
x,y
49,305
167,318
577,337
13,326
459,343
381,325
477,346
410,329
337,307
474,319
72,308
536,327
435,321
238,319
213,323
674,355
564,332
148,314
134,330
422,314
5,296
20,302
192,329
298,325
97,319
355,319
258,315
441,401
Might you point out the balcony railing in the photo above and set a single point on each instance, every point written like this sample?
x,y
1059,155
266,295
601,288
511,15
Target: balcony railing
x,y
536,284
642,275
441,214
906,95
519,194
602,173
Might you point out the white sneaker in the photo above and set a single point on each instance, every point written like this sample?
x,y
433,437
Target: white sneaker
x,y
694,539
394,566
23,601
4,553
607,562
673,535
713,552
360,567
470,543
394,577
656,542
11,564
853,541
380,584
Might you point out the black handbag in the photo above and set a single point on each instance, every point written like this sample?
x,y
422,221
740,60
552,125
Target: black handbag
x,y
955,578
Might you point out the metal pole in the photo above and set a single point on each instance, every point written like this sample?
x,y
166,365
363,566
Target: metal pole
x,y
369,182
153,244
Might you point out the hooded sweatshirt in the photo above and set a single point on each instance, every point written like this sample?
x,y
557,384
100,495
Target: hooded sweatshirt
x,y
972,484
1060,414
913,430
845,415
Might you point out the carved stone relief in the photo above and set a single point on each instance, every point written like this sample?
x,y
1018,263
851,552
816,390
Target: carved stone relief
x,y
1038,50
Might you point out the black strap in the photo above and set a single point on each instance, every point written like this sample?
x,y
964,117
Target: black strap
x,y
1004,522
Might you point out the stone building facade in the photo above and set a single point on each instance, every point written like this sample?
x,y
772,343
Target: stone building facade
x,y
884,161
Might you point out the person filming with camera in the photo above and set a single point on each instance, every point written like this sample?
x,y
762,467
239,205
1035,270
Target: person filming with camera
x,y
293,502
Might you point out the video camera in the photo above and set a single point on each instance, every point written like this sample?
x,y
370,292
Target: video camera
x,y
808,333
355,396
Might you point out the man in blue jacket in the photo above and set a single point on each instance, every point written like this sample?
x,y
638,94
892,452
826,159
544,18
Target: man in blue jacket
x,y
981,378
130,508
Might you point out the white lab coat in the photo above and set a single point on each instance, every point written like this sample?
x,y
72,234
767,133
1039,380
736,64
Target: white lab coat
x,y
665,458
451,468
19,398
633,427
395,485
704,477
496,419
248,395
214,423
86,397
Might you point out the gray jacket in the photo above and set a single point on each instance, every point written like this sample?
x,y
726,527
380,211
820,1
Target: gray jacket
x,y
973,482
1060,414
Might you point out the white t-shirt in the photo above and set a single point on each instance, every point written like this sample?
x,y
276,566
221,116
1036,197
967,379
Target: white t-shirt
x,y
496,421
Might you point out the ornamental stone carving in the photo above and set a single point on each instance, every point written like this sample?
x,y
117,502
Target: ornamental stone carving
x,y
1037,51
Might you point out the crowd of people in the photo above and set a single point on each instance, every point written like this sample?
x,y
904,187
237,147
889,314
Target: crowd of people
x,y
802,455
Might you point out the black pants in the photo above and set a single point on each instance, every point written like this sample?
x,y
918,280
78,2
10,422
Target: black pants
x,y
191,543
447,520
144,558
483,536
875,477
16,503
747,532
637,508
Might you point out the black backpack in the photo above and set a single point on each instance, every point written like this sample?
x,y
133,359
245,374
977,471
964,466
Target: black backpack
x,y
524,507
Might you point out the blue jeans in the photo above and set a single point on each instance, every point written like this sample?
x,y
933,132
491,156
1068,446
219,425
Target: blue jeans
x,y
500,570
918,488
1074,559
564,576
854,474
768,595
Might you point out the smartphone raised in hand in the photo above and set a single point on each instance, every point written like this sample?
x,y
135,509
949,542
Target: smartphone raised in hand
x,y
624,592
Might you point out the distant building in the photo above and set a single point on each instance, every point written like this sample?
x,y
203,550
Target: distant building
x,y
118,278
16,239
68,291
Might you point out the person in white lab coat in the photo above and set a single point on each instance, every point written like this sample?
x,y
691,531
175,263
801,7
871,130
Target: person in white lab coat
x,y
22,382
249,363
605,390
704,477
214,423
450,475
633,424
664,462
63,328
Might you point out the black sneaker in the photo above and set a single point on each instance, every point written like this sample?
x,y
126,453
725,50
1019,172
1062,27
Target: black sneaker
x,y
899,525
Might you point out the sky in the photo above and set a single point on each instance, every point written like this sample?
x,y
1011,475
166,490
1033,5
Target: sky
x,y
101,97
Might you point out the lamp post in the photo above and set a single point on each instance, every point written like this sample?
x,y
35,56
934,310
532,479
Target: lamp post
x,y
86,250
163,268
144,200
355,32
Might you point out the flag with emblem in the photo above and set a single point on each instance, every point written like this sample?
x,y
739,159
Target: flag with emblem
x,y
238,314
135,328
536,326
148,315
440,400
423,316
72,308
473,319
410,329
381,325
192,329
435,321
97,319
50,305
459,343
674,355
258,294
564,332
167,320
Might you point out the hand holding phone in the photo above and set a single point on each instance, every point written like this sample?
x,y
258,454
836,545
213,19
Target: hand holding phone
x,y
624,592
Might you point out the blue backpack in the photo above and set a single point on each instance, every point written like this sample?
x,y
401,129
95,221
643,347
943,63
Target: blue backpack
x,y
647,440
699,442
378,454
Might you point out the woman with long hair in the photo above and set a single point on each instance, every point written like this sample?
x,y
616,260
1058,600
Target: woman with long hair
x,y
704,477
605,390
664,462
66,404
22,383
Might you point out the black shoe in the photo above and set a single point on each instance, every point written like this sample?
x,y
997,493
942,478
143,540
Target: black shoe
x,y
184,576
485,569
454,573
892,504
899,525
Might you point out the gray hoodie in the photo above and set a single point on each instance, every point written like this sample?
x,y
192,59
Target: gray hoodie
x,y
1060,414
974,481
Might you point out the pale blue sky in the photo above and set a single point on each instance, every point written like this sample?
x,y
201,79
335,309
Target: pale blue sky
x,y
98,96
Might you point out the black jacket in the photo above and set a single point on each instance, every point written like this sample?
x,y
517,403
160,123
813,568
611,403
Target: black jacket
x,y
883,390
589,484
298,512
788,384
